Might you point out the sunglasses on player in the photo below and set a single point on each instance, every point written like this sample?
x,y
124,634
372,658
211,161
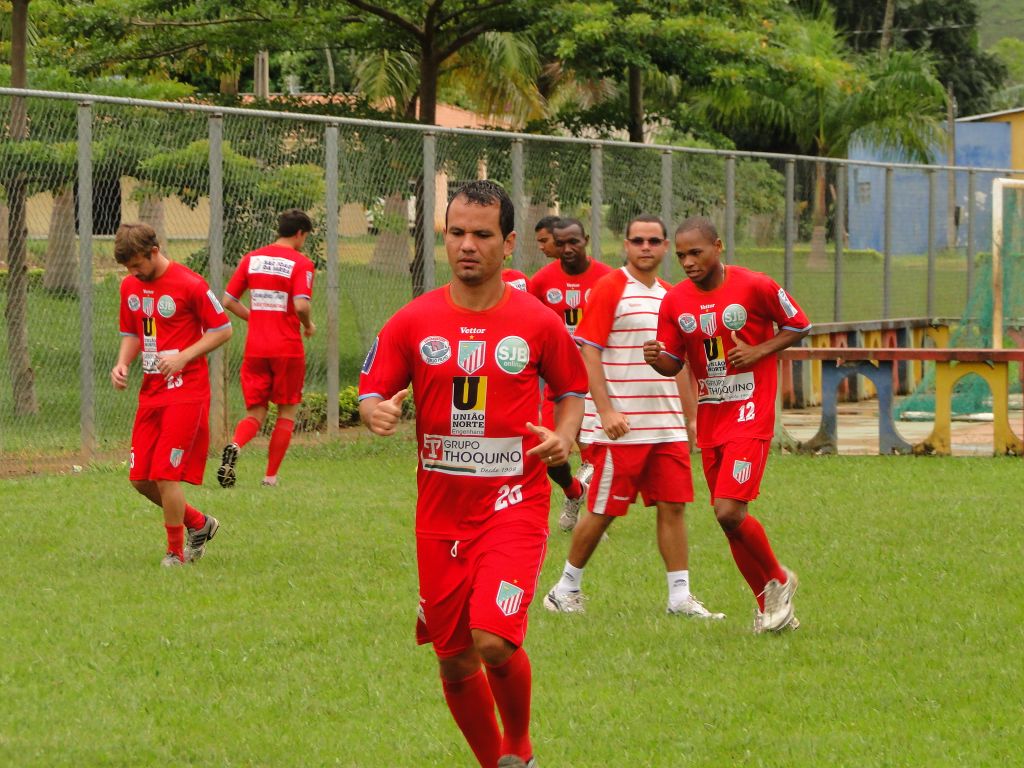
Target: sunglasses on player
x,y
653,241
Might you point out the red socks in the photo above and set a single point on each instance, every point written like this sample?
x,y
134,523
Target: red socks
x,y
754,557
472,706
194,518
511,684
176,540
246,430
279,440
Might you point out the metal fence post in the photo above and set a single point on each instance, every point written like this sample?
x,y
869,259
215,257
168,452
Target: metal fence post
x,y
790,233
930,300
840,237
666,211
87,399
429,203
218,369
519,203
971,191
333,281
887,243
730,209
596,190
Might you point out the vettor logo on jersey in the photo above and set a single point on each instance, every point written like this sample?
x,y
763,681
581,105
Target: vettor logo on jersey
x,y
134,303
787,304
572,298
166,306
687,322
554,296
469,457
709,323
734,317
509,598
472,355
740,471
512,354
435,350
469,405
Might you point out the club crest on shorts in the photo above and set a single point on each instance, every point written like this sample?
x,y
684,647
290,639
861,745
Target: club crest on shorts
x,y
741,471
472,355
509,599
176,455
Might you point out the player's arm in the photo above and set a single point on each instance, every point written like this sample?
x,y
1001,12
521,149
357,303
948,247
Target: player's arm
x,y
744,355
235,307
660,360
172,365
382,416
128,351
304,309
614,424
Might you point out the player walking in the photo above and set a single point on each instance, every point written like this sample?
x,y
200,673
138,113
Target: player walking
x,y
169,313
473,351
722,321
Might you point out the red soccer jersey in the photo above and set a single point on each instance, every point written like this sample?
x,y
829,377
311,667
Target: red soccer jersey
x,y
168,315
516,279
275,276
474,378
622,313
697,326
567,294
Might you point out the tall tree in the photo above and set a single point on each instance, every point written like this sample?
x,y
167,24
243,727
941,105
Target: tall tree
x,y
16,311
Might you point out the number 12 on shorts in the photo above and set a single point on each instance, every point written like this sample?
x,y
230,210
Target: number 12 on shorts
x,y
507,496
746,412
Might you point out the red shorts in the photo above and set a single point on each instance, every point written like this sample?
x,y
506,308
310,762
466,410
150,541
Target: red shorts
x,y
485,583
658,471
743,462
170,442
273,380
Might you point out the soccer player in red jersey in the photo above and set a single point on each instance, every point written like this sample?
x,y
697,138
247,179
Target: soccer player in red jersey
x,y
545,237
564,287
474,351
634,421
280,284
516,279
722,320
169,313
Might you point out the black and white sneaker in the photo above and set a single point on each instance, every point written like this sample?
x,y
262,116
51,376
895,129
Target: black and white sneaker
x,y
226,473
195,547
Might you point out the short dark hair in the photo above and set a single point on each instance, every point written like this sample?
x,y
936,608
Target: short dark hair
x,y
700,223
647,218
548,223
568,222
292,222
486,192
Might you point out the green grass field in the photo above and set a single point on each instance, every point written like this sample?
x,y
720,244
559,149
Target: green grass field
x,y
291,644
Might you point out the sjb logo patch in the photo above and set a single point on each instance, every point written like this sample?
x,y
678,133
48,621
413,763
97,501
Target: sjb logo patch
x,y
734,317
512,354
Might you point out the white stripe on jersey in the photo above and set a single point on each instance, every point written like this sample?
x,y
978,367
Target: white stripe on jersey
x,y
650,402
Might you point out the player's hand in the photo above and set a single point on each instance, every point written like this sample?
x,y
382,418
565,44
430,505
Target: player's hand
x,y
385,417
309,330
552,449
119,376
742,355
171,365
614,424
652,350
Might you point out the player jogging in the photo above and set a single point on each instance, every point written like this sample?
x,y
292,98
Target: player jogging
x,y
169,313
473,351
722,321
280,284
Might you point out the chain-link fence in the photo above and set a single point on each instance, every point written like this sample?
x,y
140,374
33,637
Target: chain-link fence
x,y
212,180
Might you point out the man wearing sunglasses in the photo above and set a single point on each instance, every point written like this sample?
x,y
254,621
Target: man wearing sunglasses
x,y
634,423
564,286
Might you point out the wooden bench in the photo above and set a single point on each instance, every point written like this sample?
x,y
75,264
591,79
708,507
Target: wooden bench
x,y
877,363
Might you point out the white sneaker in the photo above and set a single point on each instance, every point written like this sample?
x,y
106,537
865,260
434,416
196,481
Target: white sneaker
x,y
571,507
567,602
778,601
792,626
691,606
195,547
514,761
171,560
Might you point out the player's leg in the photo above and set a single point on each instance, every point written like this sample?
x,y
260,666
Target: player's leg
x,y
511,679
444,586
256,382
280,439
288,380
